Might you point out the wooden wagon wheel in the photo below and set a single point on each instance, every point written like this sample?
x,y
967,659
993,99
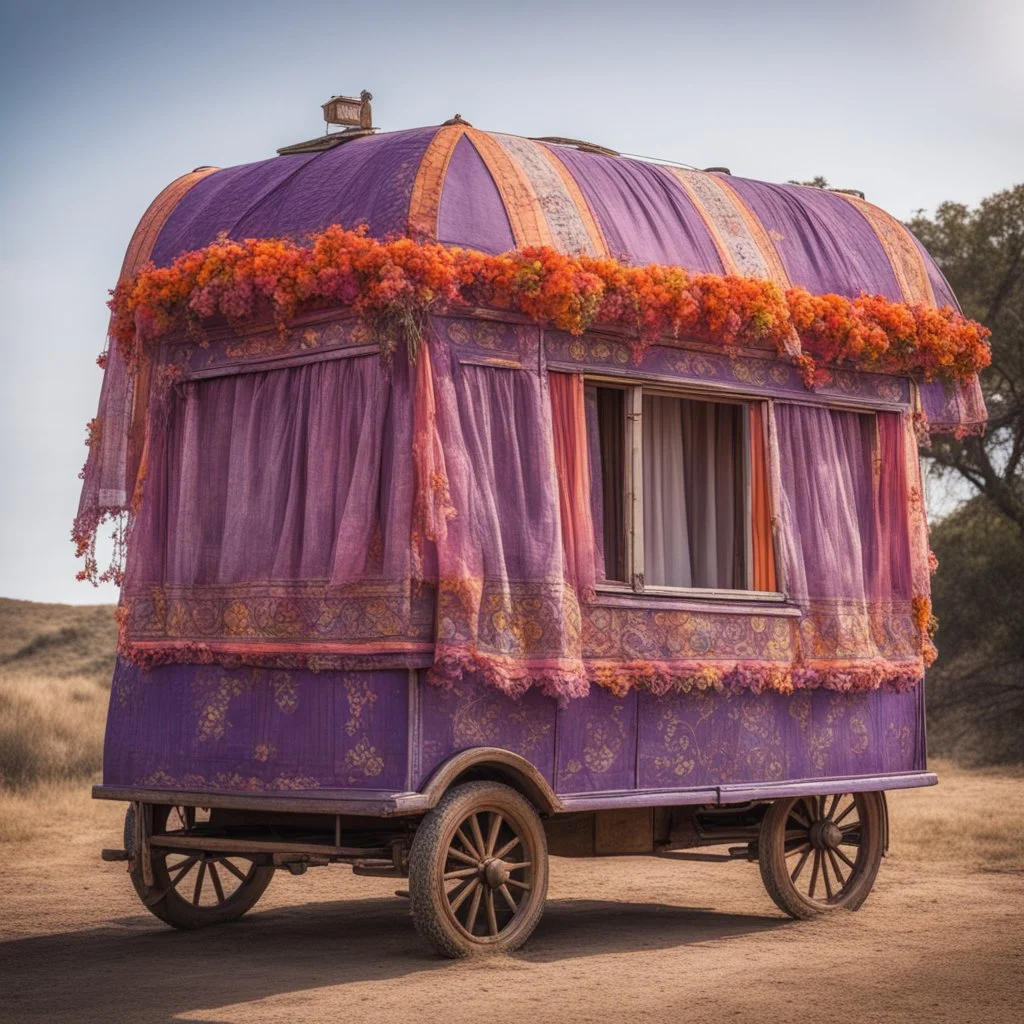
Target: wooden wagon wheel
x,y
478,870
822,853
196,888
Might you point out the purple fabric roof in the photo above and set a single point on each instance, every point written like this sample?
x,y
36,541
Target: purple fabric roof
x,y
494,192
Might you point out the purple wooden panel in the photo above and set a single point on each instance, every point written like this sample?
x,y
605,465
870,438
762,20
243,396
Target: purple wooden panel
x,y
597,743
472,714
206,727
711,739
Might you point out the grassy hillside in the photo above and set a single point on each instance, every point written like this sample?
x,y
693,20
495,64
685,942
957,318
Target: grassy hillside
x,y
55,667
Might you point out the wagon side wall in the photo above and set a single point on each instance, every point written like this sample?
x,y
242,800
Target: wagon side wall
x,y
248,730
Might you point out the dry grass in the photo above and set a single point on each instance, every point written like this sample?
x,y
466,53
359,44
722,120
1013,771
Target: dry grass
x,y
55,667
974,816
50,729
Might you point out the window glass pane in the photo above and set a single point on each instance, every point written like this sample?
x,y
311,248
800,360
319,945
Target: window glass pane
x,y
606,429
694,519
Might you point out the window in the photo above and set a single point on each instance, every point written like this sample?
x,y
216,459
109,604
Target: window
x,y
677,483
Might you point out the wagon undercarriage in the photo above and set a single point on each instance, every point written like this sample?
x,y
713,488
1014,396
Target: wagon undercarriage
x,y
477,861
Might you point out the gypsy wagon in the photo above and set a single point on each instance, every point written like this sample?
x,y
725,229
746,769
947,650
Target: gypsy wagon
x,y
487,498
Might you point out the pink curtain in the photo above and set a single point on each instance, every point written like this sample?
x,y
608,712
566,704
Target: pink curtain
x,y
572,468
106,489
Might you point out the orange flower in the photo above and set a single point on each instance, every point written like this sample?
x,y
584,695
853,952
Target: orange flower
x,y
393,285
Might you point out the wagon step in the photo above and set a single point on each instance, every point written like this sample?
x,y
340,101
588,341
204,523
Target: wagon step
x,y
376,868
114,856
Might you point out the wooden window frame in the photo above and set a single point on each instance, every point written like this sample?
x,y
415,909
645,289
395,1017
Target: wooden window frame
x,y
633,496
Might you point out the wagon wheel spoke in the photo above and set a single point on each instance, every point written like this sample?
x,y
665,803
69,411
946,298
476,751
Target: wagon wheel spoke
x,y
198,893
837,821
507,897
799,819
824,876
805,846
185,867
800,864
835,868
842,856
812,811
509,846
466,890
215,878
465,858
231,867
474,908
461,873
519,885
492,833
468,846
492,918
814,873
833,805
516,867
478,836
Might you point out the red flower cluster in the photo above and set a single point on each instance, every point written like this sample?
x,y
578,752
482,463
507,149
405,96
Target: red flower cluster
x,y
393,285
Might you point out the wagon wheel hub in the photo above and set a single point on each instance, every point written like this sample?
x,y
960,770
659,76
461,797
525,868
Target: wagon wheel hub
x,y
826,835
495,872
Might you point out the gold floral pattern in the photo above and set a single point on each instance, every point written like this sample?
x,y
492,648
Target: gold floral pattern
x,y
216,692
360,694
363,759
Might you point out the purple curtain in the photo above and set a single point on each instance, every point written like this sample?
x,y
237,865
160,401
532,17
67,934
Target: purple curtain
x,y
504,607
845,546
278,476
277,519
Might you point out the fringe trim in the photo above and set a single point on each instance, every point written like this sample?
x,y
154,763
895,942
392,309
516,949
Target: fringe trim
x,y
566,679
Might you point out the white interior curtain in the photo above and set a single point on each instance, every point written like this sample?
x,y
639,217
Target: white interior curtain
x,y
693,524
666,533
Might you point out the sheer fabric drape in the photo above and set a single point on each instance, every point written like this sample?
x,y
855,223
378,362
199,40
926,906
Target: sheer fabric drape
x,y
572,468
288,475
844,496
845,546
505,609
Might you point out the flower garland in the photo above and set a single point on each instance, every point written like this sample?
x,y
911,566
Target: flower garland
x,y
393,285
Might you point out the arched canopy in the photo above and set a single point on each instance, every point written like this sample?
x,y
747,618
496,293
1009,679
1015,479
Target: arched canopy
x,y
494,192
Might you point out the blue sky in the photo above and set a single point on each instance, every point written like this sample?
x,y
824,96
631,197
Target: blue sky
x,y
104,103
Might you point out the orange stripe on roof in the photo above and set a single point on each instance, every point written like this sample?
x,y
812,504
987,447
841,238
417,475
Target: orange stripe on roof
x,y
140,248
589,221
904,256
688,185
776,268
425,202
529,226
741,240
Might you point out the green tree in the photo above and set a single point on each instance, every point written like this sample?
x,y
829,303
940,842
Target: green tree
x,y
976,701
976,688
981,252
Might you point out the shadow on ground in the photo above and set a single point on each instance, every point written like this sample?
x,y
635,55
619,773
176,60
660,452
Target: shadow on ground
x,y
136,969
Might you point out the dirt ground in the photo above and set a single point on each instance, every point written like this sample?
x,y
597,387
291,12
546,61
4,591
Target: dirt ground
x,y
624,939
